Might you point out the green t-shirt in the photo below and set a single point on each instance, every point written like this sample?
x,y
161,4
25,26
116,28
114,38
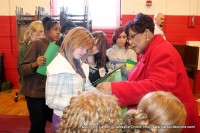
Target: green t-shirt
x,y
22,53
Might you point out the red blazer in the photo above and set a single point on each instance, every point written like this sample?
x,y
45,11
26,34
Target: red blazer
x,y
160,68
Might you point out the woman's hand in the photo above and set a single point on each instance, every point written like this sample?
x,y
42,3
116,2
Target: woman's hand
x,y
41,60
105,87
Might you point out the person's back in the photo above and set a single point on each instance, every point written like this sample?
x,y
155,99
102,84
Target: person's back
x,y
157,112
159,20
181,81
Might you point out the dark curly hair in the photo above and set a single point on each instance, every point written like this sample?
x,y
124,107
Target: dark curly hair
x,y
140,23
48,22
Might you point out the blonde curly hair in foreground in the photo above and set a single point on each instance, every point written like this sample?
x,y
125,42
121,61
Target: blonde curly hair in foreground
x,y
155,111
91,112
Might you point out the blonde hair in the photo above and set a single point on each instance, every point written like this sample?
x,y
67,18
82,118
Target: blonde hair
x,y
92,112
77,37
33,27
157,112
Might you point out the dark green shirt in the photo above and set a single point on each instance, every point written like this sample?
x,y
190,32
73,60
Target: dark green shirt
x,y
22,53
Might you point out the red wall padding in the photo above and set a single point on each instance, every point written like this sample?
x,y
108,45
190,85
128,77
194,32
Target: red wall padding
x,y
8,46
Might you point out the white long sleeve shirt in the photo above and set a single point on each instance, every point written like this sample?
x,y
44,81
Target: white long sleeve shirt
x,y
158,30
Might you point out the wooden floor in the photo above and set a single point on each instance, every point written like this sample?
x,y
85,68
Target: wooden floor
x,y
9,107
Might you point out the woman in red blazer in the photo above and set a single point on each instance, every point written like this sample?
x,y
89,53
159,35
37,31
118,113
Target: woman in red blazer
x,y
159,67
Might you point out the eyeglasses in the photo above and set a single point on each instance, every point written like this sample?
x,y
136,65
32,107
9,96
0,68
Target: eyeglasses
x,y
131,37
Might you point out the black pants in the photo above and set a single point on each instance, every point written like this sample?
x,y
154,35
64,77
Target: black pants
x,y
39,114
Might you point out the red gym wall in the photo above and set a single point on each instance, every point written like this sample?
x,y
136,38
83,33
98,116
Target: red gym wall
x,y
176,26
9,49
176,30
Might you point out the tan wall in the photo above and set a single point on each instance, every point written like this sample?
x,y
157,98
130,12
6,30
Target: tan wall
x,y
168,7
8,7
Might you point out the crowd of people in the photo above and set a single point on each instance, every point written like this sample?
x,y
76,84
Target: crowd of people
x,y
156,90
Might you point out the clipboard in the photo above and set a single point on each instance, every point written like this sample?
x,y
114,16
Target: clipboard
x,y
103,79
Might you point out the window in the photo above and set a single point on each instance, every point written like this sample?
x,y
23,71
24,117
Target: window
x,y
105,14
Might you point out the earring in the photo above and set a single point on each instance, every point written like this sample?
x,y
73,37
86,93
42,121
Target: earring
x,y
147,39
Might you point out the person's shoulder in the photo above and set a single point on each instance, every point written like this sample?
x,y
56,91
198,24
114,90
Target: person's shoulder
x,y
23,46
35,42
39,41
111,48
54,67
130,50
164,49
